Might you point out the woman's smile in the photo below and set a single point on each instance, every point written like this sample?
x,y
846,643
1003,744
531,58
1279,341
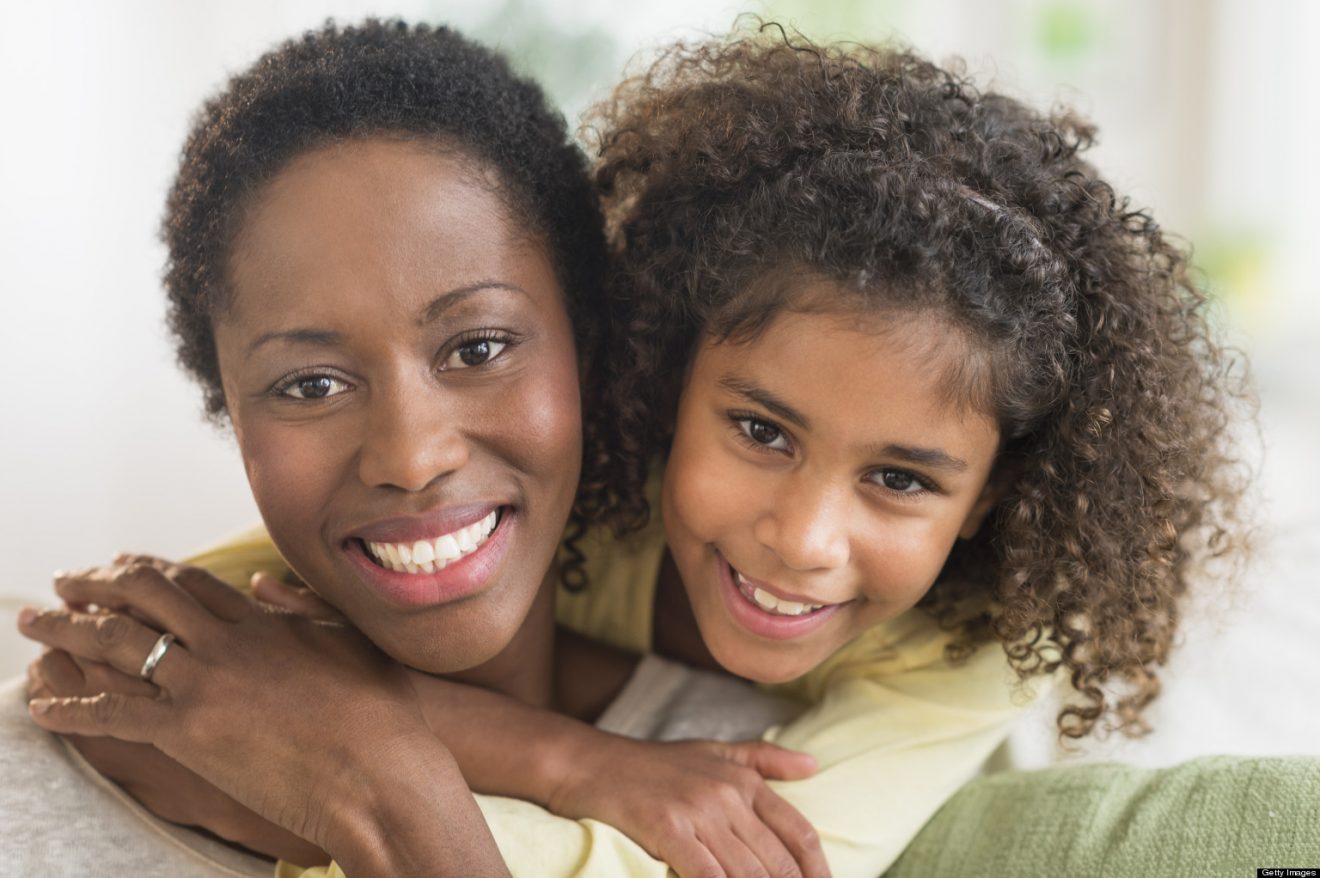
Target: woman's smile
x,y
435,569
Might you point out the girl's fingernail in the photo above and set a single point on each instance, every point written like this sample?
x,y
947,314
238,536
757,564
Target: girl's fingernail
x,y
26,615
40,705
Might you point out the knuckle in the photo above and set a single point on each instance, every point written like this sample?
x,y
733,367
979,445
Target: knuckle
x,y
135,574
106,709
672,824
111,629
807,839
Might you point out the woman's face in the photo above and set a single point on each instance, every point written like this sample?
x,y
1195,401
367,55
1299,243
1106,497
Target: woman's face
x,y
401,375
817,482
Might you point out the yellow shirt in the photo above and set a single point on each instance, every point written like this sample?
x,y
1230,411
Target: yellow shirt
x,y
895,728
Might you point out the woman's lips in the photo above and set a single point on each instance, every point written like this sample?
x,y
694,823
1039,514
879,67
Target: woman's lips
x,y
462,562
747,600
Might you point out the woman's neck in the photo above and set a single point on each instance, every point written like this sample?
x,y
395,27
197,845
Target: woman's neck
x,y
524,669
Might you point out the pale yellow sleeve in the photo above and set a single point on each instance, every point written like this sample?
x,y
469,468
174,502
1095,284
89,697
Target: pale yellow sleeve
x,y
537,844
235,559
894,744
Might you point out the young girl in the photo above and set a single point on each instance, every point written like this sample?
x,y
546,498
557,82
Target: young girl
x,y
933,406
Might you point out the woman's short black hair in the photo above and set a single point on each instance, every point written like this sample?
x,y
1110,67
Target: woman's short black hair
x,y
387,78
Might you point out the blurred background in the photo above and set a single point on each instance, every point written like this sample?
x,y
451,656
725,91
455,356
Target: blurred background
x,y
1206,112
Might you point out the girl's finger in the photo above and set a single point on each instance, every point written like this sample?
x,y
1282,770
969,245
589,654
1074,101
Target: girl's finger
x,y
297,599
770,760
126,717
98,677
688,856
793,831
210,592
144,590
59,673
761,856
110,638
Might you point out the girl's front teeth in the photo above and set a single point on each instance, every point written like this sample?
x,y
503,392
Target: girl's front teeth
x,y
768,602
428,556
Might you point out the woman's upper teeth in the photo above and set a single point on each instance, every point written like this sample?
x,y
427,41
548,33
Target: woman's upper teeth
x,y
428,556
771,604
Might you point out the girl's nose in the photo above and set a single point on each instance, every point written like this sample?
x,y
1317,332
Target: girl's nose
x,y
806,526
411,439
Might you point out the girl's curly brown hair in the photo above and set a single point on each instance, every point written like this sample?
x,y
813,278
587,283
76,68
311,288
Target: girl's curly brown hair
x,y
763,155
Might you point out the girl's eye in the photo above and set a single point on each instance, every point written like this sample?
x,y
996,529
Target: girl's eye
x,y
312,387
763,433
474,353
900,481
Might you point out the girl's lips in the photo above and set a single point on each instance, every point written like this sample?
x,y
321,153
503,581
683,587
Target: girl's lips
x,y
459,579
774,626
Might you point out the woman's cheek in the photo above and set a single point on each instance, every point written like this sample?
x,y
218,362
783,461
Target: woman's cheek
x,y
290,468
549,415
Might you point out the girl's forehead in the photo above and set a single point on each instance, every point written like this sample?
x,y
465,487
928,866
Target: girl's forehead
x,y
895,360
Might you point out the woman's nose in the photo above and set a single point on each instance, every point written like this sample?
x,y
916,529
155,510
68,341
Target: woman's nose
x,y
806,526
411,439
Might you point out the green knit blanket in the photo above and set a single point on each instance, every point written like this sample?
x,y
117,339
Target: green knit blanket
x,y
1217,816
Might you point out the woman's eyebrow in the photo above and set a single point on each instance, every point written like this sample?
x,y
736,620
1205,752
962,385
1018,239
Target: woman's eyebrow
x,y
320,337
443,302
765,398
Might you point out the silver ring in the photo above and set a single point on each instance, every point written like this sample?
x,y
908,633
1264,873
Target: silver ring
x,y
157,653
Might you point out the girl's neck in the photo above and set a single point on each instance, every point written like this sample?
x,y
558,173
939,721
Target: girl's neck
x,y
674,631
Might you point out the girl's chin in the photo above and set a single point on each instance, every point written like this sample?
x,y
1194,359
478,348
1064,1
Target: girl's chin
x,y
756,663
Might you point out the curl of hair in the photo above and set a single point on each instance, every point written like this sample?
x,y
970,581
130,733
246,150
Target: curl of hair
x,y
732,166
387,79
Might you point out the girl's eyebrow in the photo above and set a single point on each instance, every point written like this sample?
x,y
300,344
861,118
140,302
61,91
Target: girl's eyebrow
x,y
934,458
763,397
928,457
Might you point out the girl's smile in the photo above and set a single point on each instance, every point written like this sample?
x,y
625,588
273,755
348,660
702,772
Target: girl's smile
x,y
819,475
401,374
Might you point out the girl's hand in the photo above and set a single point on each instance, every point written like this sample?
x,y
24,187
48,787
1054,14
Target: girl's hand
x,y
703,807
293,598
160,784
306,723
290,597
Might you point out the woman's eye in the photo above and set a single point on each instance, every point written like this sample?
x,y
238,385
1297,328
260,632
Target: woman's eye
x,y
764,433
474,353
313,387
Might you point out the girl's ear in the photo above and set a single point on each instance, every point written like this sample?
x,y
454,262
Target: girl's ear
x,y
990,495
1002,477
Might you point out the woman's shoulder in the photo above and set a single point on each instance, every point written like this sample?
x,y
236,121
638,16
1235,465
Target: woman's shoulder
x,y
235,558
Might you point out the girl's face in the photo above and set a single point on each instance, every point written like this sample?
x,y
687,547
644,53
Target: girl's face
x,y
401,375
817,481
